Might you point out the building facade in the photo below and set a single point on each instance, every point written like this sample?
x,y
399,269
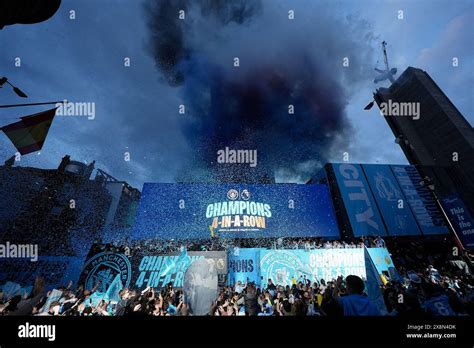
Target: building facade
x,y
439,141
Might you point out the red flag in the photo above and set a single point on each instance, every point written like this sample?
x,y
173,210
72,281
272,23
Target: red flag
x,y
29,134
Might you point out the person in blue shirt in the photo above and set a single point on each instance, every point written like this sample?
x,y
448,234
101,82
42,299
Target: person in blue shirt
x,y
355,303
434,274
171,308
266,309
436,302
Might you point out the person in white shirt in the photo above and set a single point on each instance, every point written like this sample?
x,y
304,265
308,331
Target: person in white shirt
x,y
239,287
379,242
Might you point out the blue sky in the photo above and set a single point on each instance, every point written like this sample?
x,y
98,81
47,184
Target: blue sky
x,y
136,111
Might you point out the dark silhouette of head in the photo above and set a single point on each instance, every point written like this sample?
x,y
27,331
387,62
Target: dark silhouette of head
x,y
354,285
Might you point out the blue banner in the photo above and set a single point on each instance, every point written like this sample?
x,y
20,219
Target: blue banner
x,y
460,218
112,271
360,205
244,265
284,267
287,267
159,270
420,200
395,211
198,211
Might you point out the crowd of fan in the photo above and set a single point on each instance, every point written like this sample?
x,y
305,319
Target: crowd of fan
x,y
429,283
174,246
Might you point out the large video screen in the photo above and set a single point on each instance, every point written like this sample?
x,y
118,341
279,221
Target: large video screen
x,y
199,211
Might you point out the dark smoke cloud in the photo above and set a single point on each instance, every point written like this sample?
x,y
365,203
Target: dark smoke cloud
x,y
167,37
283,62
227,11
168,40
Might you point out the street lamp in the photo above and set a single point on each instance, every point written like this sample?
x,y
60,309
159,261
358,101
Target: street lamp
x,y
18,91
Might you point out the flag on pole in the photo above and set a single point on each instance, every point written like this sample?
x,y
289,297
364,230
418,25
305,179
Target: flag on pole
x,y
29,134
113,292
373,284
175,263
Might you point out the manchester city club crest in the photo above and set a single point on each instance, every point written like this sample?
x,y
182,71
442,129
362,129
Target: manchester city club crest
x,y
232,194
282,267
102,269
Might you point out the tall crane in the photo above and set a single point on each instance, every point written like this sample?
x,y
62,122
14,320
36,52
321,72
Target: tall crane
x,y
388,73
